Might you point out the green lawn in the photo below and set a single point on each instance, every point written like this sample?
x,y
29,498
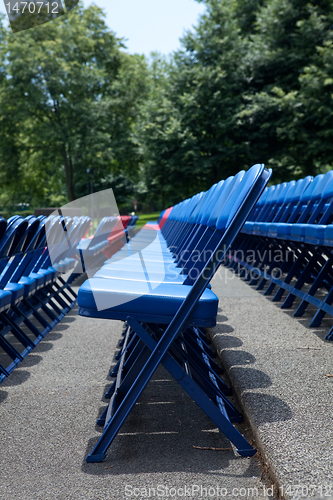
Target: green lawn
x,y
144,218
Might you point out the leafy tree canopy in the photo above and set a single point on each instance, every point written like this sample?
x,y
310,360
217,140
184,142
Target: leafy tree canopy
x,y
68,101
252,82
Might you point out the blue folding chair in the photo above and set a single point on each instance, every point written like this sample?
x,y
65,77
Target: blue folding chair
x,y
158,319
195,239
31,300
301,228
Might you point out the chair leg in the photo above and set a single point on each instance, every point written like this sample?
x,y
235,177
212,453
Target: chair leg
x,y
135,388
317,318
294,270
314,288
304,276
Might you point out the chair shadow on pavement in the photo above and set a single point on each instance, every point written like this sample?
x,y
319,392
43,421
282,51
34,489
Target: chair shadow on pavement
x,y
305,320
166,429
21,374
3,395
161,435
266,407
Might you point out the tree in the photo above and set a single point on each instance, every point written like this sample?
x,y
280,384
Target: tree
x,y
191,135
252,83
283,46
68,99
160,138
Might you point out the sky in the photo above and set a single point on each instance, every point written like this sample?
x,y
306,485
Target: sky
x,y
149,25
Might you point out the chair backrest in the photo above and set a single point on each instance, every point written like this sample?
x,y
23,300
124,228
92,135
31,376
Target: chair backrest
x,y
212,198
32,231
3,227
278,200
292,198
260,207
187,207
269,201
327,185
238,209
14,236
300,187
314,192
229,188
253,183
199,208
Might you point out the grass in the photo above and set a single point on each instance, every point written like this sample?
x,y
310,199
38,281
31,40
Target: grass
x,y
144,218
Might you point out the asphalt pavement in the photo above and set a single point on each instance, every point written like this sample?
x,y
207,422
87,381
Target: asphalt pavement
x,y
282,374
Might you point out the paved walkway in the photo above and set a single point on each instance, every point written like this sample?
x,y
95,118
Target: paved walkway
x,y
48,409
282,371
279,368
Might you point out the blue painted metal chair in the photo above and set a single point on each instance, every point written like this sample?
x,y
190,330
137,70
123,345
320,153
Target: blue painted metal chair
x,y
301,228
31,299
14,343
161,320
318,211
192,240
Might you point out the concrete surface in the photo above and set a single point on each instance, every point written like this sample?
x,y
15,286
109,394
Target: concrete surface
x,y
282,372
48,409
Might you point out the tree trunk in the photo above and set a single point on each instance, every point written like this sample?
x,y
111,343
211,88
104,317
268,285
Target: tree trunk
x,y
69,174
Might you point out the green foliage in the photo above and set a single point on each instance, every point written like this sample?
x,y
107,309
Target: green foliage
x,y
253,82
68,102
144,218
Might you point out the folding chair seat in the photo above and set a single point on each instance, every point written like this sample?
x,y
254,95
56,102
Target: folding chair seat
x,y
153,306
5,299
17,291
261,228
153,239
159,320
29,284
315,234
152,255
297,232
328,236
206,217
135,275
280,230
